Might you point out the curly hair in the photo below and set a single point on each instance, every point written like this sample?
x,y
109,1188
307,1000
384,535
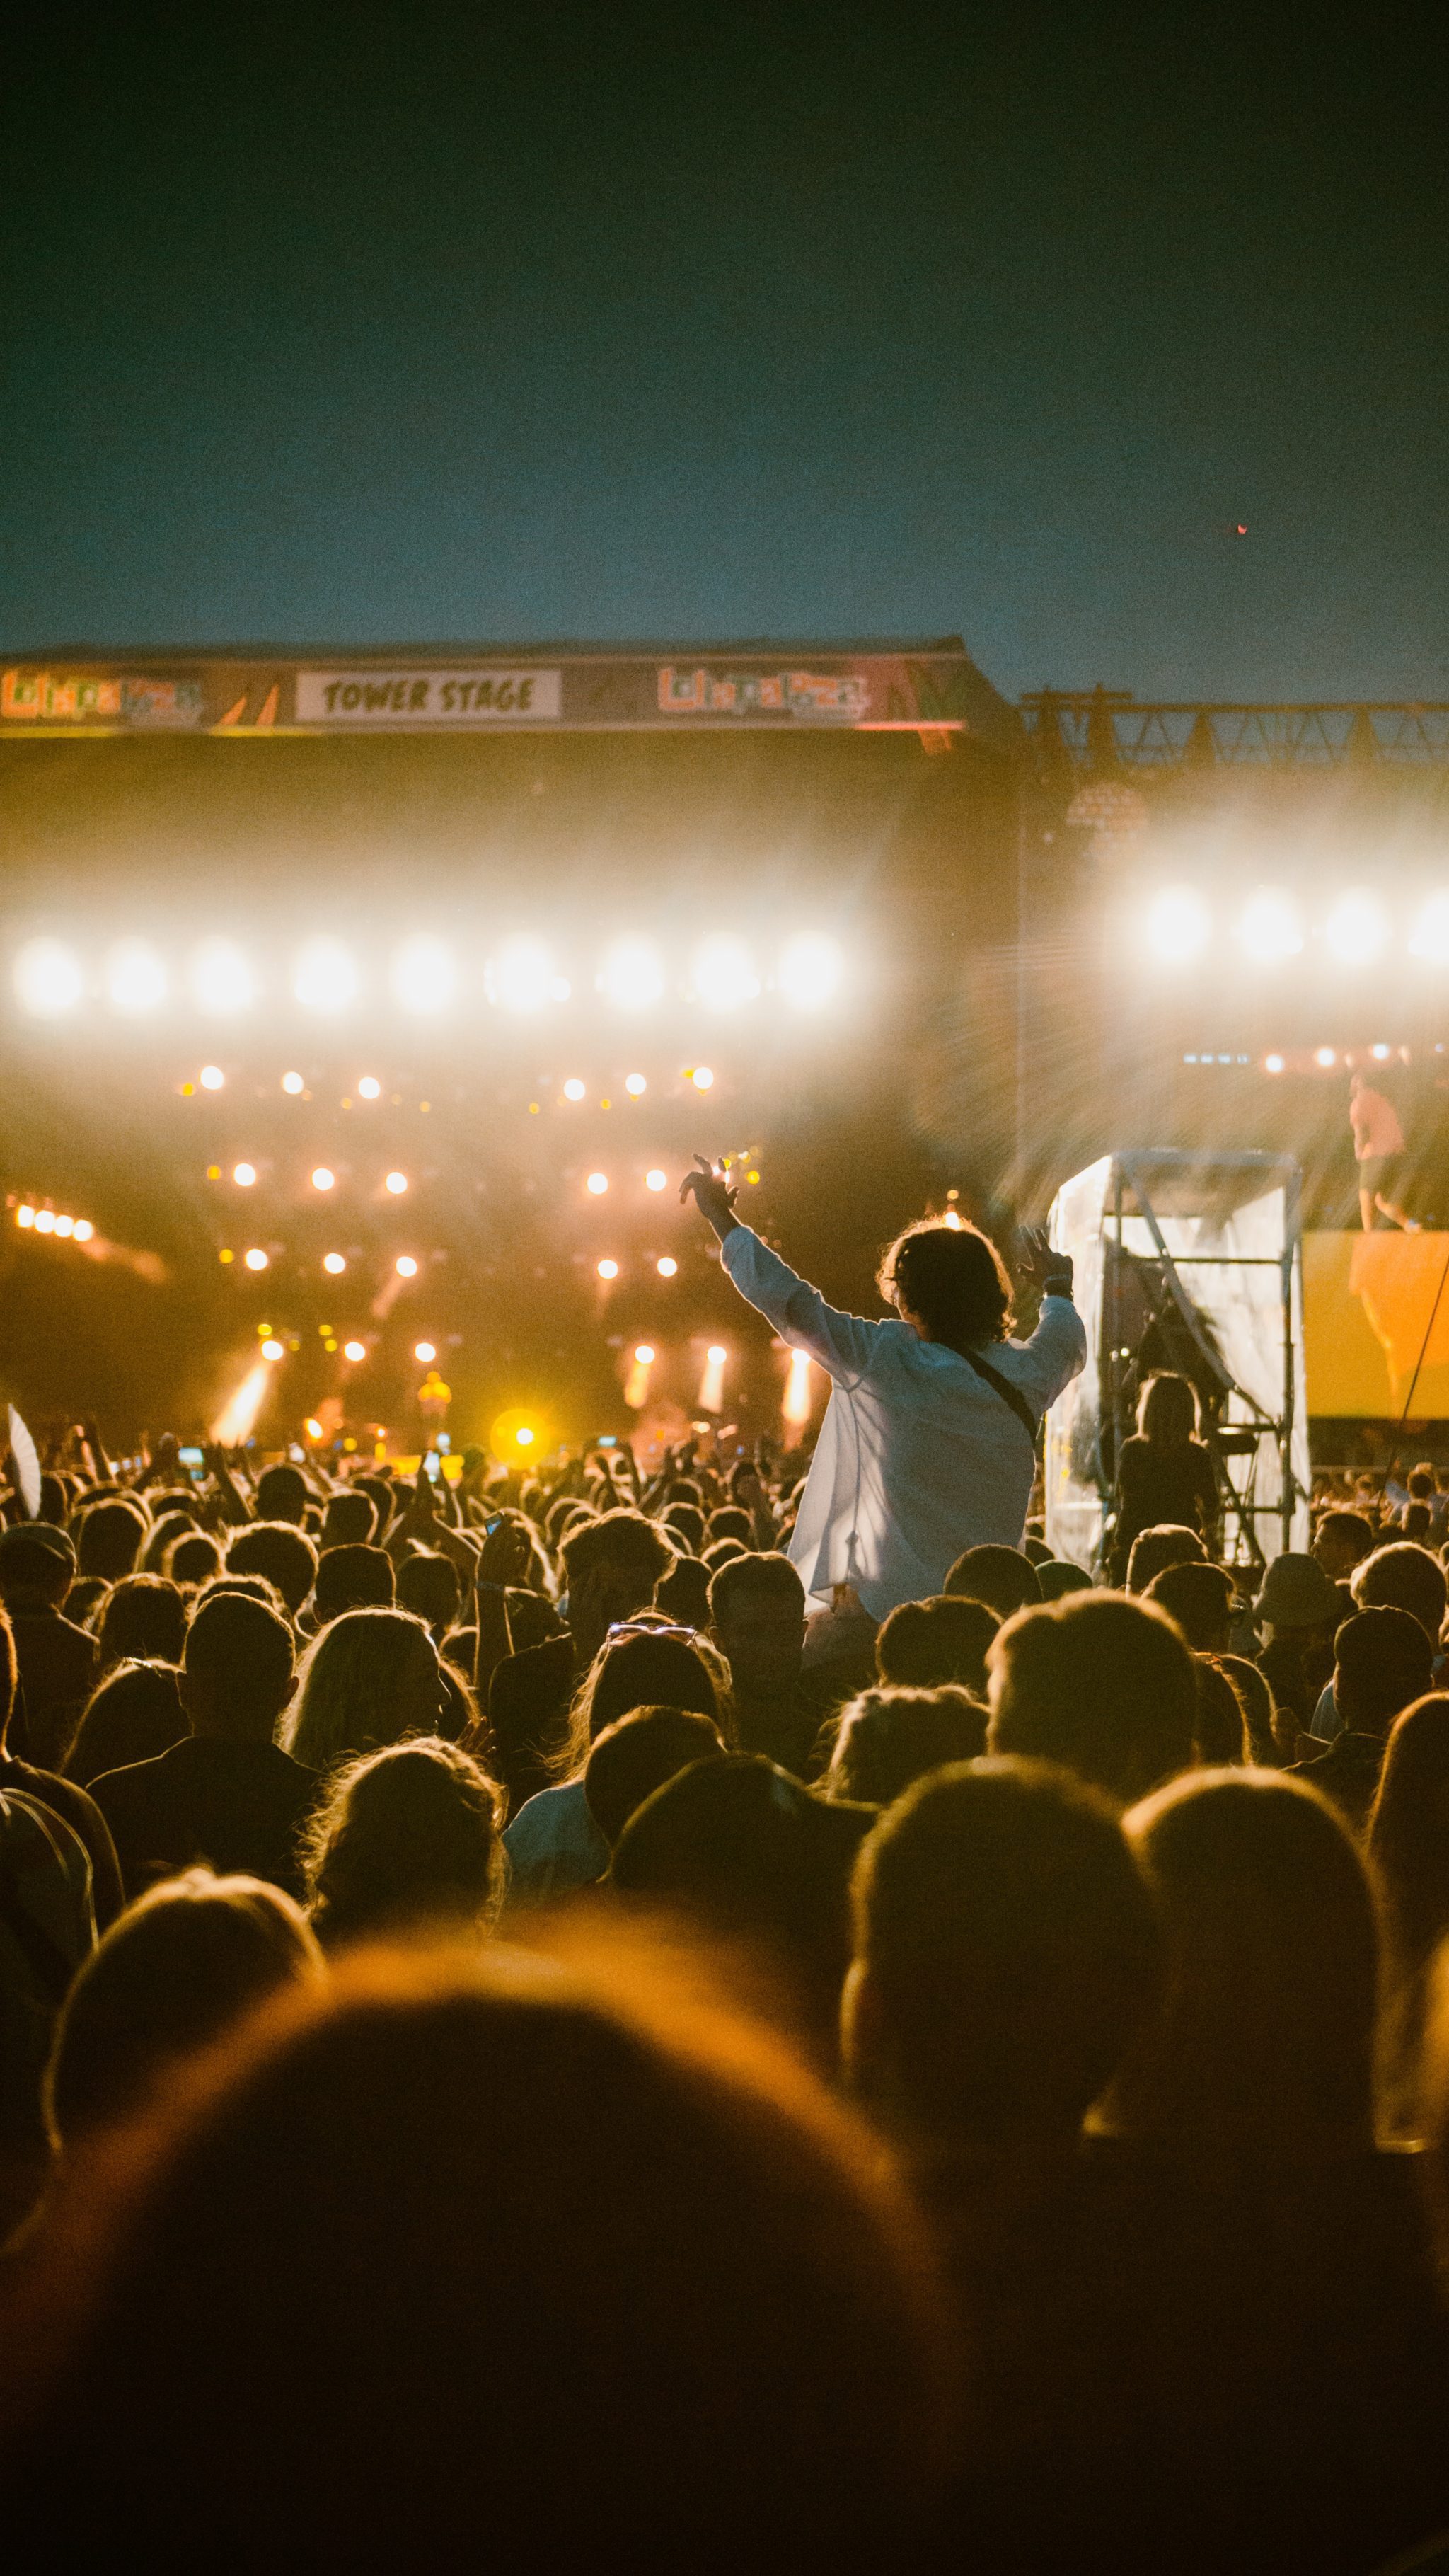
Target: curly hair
x,y
953,1278
405,1836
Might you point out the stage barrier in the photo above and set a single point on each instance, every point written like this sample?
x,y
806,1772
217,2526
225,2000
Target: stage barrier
x,y
1191,1262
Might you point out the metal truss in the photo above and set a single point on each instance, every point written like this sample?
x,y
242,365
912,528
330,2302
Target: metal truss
x,y
1099,731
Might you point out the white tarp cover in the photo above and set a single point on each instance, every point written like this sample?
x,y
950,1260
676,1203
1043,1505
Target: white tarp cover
x,y
1240,1305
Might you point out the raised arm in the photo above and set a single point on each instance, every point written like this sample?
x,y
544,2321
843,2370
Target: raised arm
x,y
1057,1349
843,1344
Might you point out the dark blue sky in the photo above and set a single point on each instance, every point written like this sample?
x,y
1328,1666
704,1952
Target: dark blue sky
x,y
438,321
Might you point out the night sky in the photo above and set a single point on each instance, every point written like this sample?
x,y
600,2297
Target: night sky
x,y
459,322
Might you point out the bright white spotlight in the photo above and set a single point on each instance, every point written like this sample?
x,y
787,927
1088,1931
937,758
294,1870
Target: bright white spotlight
x,y
521,977
322,1178
45,1220
326,977
65,1225
25,1215
632,975
83,1229
656,1180
574,1089
1178,925
405,1266
256,1259
221,979
291,1082
811,971
354,1350
795,1407
271,1350
1430,938
644,1354
425,1351
334,1263
244,1174
212,1078
607,1269
1271,928
424,977
395,1183
636,1085
234,1422
711,1384
368,1087
724,975
596,1184
135,977
48,978
1273,1063
666,1267
1357,929
702,1078
717,1354
1325,1059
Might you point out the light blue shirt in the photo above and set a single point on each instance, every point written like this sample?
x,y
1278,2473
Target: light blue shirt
x,y
918,1457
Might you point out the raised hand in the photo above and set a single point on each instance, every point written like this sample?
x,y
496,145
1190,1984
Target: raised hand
x,y
709,1187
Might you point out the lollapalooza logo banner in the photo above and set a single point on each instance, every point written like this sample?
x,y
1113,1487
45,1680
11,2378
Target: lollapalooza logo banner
x,y
926,692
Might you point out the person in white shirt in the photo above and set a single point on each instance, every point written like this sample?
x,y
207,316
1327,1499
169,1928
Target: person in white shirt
x,y
929,1443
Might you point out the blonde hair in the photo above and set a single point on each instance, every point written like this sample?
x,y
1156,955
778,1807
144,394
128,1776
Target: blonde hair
x,y
364,1683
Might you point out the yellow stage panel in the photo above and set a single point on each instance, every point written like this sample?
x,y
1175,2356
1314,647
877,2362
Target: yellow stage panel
x,y
1368,1304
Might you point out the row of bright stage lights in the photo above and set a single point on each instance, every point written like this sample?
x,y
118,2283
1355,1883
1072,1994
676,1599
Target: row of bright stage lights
x,y
426,977
1272,928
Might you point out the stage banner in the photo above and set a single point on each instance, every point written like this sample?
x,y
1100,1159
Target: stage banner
x,y
934,691
1376,1324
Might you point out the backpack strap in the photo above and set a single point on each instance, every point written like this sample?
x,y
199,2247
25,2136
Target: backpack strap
x,y
1008,1393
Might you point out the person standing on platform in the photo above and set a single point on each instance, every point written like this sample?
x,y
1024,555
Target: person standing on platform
x,y
929,1443
1378,1150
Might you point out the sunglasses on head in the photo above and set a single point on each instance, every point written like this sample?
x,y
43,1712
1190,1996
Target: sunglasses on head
x,y
649,1628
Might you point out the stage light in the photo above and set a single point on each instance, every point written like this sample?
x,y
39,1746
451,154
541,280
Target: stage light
x,y
424,977
524,1437
574,1089
48,978
256,1259
1270,928
212,1078
135,977
1273,1063
1357,929
702,1078
291,1082
514,1430
607,1269
596,1184
644,1354
313,1428
65,1226
795,1405
354,1350
666,1267
334,1264
1178,925
632,975
234,1422
395,1183
1430,938
368,1087
45,1221
244,1174
811,971
424,1351
656,1180
636,1085
952,1220
25,1216
271,1350
326,976
711,1384
83,1229
724,975
322,1178
1325,1058
521,977
405,1266
221,979
1379,1053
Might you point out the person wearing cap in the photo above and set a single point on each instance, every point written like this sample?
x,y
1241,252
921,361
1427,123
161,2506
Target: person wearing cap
x,y
56,1660
1382,1663
1297,1612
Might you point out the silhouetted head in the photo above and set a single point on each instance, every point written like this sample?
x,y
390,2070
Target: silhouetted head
x,y
133,1715
403,1839
943,1639
352,1577
1099,1683
1154,1550
370,1678
237,1671
1382,1661
950,1282
1000,1576
889,1738
1167,1410
286,1556
636,1755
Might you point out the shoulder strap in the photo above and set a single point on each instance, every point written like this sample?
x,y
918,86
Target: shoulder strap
x,y
1008,1393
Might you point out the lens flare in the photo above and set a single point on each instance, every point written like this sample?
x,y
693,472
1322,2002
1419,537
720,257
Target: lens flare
x,y
424,977
135,977
724,975
811,971
632,975
1178,926
48,979
326,977
1271,929
521,977
221,979
1357,929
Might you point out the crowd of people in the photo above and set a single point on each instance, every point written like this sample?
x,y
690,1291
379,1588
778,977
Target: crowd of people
x,y
733,2012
